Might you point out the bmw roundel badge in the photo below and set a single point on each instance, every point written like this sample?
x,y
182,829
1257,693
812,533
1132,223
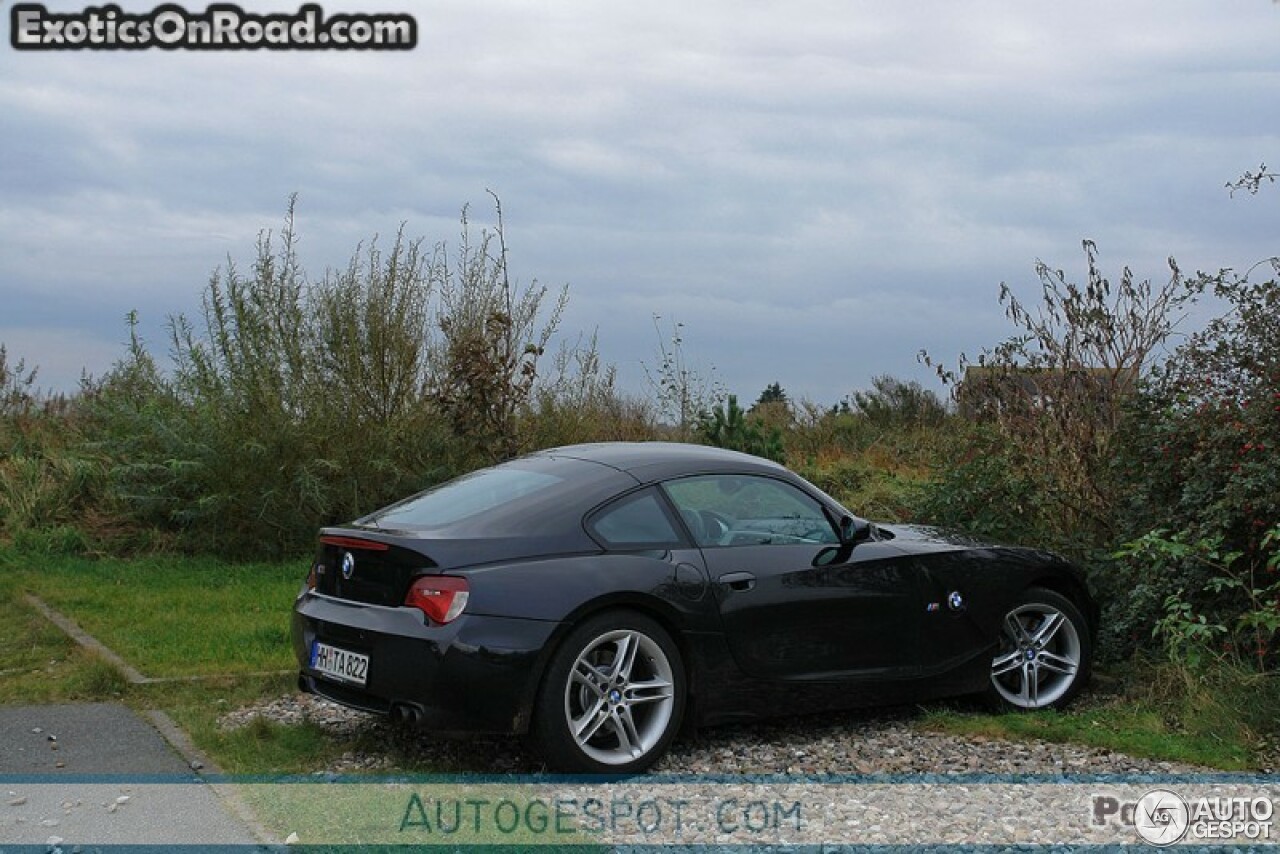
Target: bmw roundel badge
x,y
348,565
955,601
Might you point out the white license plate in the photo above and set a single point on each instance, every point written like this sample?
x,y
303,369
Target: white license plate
x,y
340,664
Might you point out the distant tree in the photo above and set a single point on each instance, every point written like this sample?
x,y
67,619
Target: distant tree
x,y
773,393
773,409
727,426
892,403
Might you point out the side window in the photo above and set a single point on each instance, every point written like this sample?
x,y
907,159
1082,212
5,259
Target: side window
x,y
742,510
637,522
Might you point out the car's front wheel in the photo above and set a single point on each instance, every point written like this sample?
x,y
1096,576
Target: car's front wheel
x,y
612,697
1044,654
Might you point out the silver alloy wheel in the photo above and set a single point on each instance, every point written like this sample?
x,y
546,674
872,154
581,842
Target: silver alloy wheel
x,y
1039,657
620,697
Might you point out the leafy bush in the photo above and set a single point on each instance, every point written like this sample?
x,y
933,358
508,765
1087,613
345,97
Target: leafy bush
x,y
17,389
577,401
268,425
985,487
46,481
37,490
819,433
873,451
841,478
294,403
492,336
1201,462
868,488
893,404
1052,398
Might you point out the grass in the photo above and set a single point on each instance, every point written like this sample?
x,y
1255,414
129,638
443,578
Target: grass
x,y
260,747
1222,718
171,616
1130,728
39,664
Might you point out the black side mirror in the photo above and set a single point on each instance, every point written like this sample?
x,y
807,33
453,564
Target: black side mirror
x,y
854,530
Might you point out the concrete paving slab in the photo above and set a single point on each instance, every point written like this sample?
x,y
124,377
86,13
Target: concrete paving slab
x,y
88,738
98,774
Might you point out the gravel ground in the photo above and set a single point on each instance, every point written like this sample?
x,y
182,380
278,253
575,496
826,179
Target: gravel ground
x,y
790,803
879,742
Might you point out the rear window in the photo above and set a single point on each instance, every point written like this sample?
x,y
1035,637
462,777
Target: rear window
x,y
471,495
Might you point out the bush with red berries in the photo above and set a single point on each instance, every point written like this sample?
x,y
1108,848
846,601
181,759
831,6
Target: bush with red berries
x,y
1200,465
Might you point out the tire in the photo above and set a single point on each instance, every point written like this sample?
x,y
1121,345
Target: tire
x,y
1045,653
612,697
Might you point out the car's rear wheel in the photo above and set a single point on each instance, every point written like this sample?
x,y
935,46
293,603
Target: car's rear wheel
x,y
1044,655
612,697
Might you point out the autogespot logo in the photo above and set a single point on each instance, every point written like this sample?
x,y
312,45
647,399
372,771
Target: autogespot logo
x,y
1161,817
222,26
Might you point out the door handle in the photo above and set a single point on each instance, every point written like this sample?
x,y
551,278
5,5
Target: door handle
x,y
738,580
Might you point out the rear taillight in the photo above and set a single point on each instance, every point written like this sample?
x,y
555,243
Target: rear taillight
x,y
441,597
312,579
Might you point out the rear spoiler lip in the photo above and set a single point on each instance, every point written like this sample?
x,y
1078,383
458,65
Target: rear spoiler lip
x,y
358,543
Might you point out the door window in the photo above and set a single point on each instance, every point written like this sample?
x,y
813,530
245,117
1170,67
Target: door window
x,y
748,510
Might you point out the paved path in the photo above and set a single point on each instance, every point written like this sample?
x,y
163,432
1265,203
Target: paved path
x,y
98,774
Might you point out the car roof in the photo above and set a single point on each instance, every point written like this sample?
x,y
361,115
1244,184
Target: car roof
x,y
650,461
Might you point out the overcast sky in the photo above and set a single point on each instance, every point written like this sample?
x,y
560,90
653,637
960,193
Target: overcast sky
x,y
817,190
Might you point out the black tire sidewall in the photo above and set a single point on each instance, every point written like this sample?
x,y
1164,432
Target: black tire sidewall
x,y
550,731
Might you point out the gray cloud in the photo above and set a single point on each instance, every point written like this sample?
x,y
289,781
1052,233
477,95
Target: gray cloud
x,y
817,189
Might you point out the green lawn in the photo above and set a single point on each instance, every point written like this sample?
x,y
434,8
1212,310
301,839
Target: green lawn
x,y
39,664
171,616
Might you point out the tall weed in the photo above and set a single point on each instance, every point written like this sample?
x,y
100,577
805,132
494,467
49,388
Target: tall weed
x,y
294,403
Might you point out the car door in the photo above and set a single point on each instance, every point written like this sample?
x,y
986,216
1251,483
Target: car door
x,y
641,527
794,602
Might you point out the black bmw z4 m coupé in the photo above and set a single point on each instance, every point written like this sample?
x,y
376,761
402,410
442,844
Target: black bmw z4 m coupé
x,y
598,597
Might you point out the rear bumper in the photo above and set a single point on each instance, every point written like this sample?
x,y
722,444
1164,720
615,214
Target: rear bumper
x,y
477,674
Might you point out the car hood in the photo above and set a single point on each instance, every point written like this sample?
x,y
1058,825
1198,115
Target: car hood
x,y
924,535
922,539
